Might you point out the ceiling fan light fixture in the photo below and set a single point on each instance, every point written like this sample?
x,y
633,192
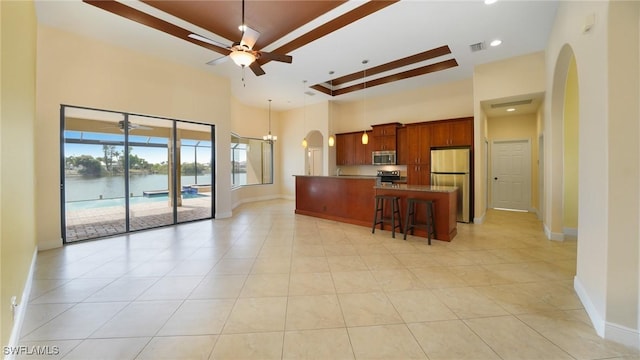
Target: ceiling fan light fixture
x,y
242,58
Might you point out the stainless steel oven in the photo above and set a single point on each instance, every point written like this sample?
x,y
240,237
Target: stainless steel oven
x,y
383,157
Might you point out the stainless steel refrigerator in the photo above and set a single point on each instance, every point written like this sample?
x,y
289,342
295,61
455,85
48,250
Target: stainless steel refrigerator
x,y
452,167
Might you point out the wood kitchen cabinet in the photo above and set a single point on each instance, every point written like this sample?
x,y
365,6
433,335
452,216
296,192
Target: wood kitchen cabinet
x,y
344,149
418,174
402,146
362,151
351,151
418,143
384,137
455,132
418,154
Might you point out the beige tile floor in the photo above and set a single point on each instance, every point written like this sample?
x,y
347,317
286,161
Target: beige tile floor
x,y
268,284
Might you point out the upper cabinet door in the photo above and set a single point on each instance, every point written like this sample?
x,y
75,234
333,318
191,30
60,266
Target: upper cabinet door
x,y
452,133
461,132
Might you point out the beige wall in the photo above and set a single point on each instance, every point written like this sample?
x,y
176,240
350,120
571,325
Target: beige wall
x,y
248,121
442,101
294,126
518,127
609,190
17,170
522,75
438,102
79,71
570,152
623,302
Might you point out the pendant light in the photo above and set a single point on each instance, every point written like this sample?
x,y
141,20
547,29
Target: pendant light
x,y
304,107
365,137
332,139
270,138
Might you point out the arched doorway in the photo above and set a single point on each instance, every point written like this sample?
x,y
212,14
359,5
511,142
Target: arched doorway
x,y
313,153
561,158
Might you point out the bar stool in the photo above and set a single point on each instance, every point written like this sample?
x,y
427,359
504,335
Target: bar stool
x,y
410,218
378,216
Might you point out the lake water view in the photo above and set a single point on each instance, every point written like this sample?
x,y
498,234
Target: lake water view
x,y
79,188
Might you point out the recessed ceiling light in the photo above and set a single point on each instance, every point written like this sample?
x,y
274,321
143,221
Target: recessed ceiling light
x,y
495,42
489,2
511,109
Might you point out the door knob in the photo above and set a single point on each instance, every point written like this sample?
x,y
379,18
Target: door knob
x,y
495,178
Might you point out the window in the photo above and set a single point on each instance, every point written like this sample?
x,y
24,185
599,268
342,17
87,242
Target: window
x,y
251,161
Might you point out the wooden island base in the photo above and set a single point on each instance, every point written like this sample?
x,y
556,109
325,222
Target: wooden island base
x,y
444,202
350,199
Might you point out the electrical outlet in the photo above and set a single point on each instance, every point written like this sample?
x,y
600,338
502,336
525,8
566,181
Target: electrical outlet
x,y
14,305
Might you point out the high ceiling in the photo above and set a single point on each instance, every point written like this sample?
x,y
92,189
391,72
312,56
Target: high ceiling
x,y
408,44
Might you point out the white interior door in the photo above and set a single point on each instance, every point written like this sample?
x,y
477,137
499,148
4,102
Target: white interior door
x,y
511,174
315,161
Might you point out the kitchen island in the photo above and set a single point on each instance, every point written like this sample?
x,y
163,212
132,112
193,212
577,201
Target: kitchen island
x,y
350,199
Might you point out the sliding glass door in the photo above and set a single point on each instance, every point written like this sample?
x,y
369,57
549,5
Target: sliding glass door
x,y
149,172
123,172
194,145
93,190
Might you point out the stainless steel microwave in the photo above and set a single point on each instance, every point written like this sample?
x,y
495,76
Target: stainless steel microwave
x,y
383,157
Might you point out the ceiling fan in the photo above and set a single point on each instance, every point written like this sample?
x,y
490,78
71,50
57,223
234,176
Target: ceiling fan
x,y
242,53
132,126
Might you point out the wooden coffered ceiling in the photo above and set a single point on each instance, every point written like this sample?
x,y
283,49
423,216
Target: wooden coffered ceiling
x,y
409,43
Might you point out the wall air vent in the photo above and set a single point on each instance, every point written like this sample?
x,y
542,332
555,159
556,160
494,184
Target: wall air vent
x,y
511,103
478,46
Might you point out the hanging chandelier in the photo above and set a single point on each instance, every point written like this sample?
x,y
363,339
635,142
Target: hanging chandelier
x,y
365,137
270,138
304,140
332,139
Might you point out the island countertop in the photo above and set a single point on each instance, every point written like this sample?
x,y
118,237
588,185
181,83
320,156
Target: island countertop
x,y
425,188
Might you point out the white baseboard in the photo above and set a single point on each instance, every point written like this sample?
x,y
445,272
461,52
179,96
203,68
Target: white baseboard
x,y
594,315
622,334
610,331
223,215
551,235
254,199
570,232
21,309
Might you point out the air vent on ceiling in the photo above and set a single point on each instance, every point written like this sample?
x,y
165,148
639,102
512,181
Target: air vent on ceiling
x,y
478,46
309,93
511,103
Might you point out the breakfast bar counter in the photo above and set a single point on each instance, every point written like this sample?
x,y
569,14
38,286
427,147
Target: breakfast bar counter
x,y
350,199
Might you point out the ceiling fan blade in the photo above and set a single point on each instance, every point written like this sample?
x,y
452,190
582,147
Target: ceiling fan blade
x,y
256,68
276,57
249,37
217,61
207,40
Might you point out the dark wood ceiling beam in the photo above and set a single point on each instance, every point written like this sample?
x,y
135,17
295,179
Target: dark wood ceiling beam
x,y
341,21
423,56
443,65
153,22
322,89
